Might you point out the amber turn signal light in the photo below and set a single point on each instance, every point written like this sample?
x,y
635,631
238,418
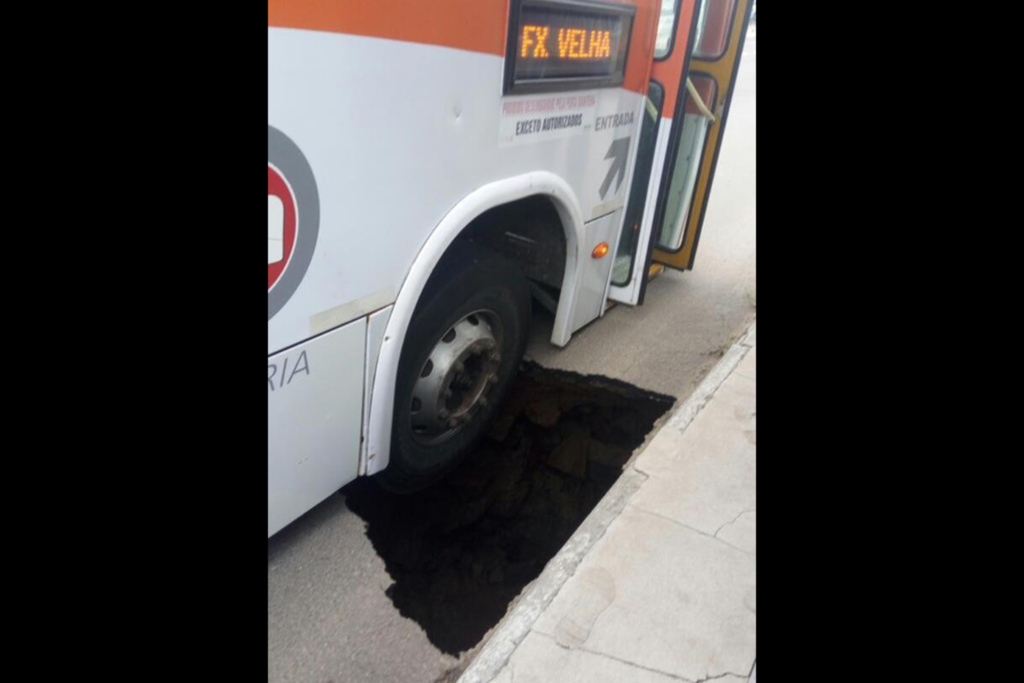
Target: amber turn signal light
x,y
600,251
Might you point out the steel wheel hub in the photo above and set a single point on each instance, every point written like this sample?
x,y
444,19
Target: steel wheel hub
x,y
456,378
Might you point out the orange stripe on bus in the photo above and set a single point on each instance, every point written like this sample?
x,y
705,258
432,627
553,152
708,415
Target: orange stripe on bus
x,y
474,25
641,46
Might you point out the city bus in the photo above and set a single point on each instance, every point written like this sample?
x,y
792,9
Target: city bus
x,y
437,169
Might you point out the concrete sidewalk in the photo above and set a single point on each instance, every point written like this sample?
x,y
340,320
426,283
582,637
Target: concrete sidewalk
x,y
658,583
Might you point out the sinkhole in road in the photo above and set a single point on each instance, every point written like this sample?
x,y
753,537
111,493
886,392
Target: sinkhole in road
x,y
462,550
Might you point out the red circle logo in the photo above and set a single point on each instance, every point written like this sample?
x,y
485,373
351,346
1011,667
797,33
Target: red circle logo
x,y
282,225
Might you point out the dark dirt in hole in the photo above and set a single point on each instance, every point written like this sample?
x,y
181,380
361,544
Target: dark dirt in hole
x,y
462,550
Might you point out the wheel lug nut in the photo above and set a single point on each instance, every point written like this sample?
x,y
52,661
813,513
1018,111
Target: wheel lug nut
x,y
459,367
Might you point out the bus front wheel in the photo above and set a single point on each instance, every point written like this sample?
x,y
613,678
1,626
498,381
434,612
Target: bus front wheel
x,y
462,350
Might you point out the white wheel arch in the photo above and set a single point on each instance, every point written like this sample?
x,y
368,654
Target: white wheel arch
x,y
376,448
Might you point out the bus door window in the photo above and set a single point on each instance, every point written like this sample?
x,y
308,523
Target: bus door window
x,y
697,119
713,29
713,23
622,269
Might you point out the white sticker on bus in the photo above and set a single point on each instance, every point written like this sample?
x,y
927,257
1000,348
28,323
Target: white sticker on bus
x,y
275,229
536,118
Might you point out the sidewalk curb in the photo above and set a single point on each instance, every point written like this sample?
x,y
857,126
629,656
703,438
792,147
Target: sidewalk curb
x,y
684,415
517,623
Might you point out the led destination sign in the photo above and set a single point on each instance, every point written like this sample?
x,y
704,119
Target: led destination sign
x,y
567,45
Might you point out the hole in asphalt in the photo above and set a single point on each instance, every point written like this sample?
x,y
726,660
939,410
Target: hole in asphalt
x,y
462,550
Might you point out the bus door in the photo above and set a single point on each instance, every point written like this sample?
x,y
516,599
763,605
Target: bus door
x,y
695,60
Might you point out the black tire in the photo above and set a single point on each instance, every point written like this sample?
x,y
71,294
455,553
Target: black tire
x,y
469,278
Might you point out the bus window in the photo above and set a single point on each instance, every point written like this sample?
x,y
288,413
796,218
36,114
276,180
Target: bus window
x,y
666,28
713,28
696,122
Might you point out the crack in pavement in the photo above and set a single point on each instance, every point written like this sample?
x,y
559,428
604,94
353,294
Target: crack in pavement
x,y
627,662
687,526
568,648
733,521
711,678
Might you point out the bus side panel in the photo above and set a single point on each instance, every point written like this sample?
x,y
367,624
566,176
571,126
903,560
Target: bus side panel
x,y
595,272
397,134
314,404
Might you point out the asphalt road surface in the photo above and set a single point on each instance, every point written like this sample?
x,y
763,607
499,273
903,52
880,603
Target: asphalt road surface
x,y
328,616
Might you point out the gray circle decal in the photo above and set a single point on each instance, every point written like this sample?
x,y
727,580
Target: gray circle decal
x,y
293,218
